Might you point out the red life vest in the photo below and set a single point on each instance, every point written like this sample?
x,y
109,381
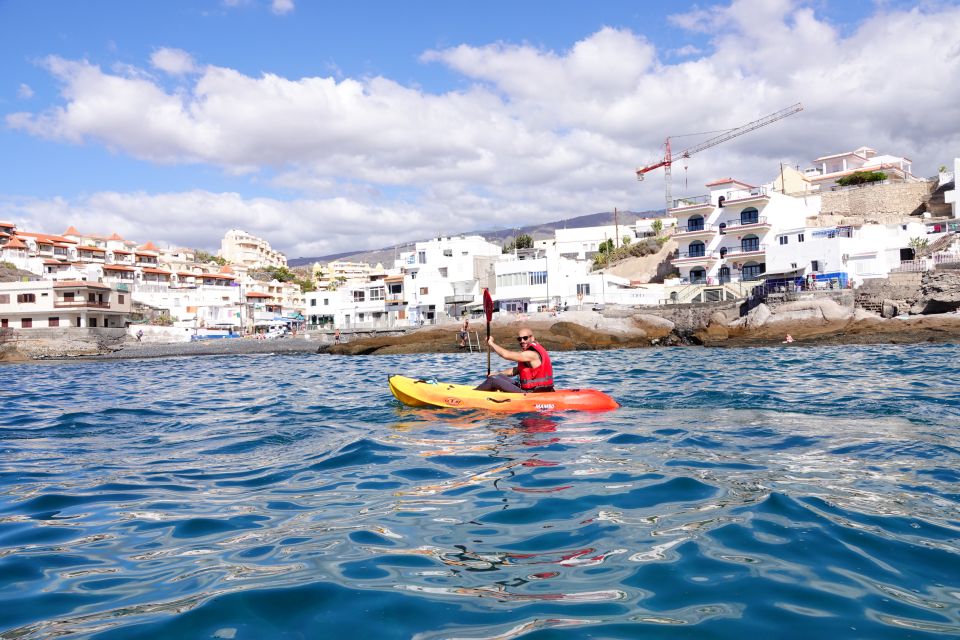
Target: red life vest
x,y
537,378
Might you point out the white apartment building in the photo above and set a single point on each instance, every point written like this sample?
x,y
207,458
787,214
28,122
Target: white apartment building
x,y
45,303
949,196
443,276
724,236
242,248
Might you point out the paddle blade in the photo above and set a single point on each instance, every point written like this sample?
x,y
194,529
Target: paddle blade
x,y
487,304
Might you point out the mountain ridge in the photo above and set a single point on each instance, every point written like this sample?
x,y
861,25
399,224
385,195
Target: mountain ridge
x,y
538,231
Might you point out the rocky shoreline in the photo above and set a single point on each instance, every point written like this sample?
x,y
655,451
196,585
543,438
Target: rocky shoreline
x,y
811,322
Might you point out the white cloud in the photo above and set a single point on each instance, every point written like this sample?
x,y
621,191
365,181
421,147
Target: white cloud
x,y
537,134
24,91
176,62
281,7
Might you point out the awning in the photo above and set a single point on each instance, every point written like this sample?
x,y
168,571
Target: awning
x,y
791,273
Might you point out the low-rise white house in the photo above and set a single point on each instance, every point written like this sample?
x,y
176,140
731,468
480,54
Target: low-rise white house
x,y
45,303
844,254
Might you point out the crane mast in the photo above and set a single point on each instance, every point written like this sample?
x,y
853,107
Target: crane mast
x,y
669,157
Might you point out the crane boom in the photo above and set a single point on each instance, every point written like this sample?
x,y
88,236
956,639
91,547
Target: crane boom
x,y
669,157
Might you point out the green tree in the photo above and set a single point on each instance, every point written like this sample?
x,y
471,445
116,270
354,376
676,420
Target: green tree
x,y
918,244
206,256
626,241
657,227
524,241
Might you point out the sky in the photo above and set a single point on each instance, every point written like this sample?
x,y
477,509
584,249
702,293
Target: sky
x,y
326,127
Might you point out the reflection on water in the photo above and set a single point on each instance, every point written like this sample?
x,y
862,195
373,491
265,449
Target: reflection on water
x,y
762,491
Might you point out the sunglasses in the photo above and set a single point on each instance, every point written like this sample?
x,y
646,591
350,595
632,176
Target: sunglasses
x,y
524,338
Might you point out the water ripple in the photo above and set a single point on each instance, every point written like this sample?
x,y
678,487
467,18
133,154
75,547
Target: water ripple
x,y
777,492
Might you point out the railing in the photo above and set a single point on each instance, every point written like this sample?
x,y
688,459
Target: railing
x,y
730,224
693,254
695,229
679,203
736,251
744,194
79,304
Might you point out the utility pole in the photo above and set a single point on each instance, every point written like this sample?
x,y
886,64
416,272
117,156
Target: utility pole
x,y
616,227
783,185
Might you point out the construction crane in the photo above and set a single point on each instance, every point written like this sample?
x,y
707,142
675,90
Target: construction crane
x,y
669,158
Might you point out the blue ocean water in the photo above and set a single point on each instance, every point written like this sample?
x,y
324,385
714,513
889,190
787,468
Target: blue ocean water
x,y
764,493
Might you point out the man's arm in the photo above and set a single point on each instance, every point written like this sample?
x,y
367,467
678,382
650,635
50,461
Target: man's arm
x,y
530,356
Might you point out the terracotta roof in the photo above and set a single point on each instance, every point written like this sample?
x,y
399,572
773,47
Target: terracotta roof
x,y
57,262
79,283
126,253
149,246
217,276
727,181
157,271
4,223
257,294
117,267
95,249
115,236
145,253
226,269
15,243
188,274
46,237
71,231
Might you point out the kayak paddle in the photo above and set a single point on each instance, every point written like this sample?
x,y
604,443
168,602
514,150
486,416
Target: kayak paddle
x,y
488,311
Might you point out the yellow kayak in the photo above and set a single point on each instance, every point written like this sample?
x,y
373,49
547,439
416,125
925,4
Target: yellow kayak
x,y
429,393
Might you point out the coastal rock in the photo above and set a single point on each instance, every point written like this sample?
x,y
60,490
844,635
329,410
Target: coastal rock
x,y
756,318
940,292
889,309
652,325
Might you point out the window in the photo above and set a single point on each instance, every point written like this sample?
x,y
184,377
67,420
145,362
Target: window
x,y
313,302
696,250
377,294
26,297
751,271
92,322
583,289
326,302
814,265
784,240
750,243
424,291
799,237
26,323
448,253
120,298
53,322
396,289
695,224
4,298
443,272
4,323
358,296
538,277
749,216
422,257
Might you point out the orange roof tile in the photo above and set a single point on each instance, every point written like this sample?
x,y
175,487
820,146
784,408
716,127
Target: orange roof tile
x,y
115,236
94,249
4,223
71,231
257,294
116,267
726,181
121,251
218,276
157,271
46,237
15,243
149,246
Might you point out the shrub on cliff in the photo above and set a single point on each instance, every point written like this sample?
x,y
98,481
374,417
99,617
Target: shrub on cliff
x,y
861,177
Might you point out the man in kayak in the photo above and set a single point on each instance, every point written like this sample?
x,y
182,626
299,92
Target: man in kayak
x,y
533,367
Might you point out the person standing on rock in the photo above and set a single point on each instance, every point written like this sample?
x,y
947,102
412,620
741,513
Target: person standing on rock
x,y
534,369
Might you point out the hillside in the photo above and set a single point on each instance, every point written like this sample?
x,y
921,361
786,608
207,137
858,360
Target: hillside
x,y
540,231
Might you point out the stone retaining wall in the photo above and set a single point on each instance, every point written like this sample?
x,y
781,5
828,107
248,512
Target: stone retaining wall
x,y
64,341
881,203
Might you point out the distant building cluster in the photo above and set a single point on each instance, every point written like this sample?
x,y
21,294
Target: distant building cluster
x,y
848,218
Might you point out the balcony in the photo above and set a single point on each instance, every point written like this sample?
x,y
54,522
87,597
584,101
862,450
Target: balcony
x,y
463,298
742,251
80,304
695,203
695,230
691,258
754,195
749,224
